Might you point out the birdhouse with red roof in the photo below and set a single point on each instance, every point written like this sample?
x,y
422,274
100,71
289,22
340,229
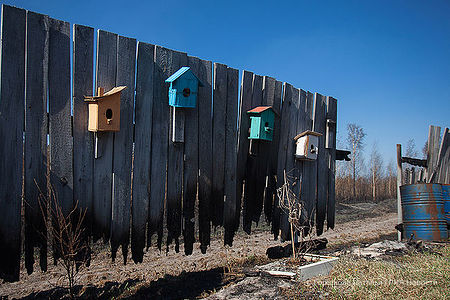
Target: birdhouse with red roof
x,y
262,120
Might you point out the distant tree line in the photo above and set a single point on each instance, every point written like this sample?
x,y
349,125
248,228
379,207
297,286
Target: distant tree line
x,y
373,180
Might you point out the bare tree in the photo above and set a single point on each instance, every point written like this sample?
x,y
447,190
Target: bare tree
x,y
376,165
355,140
411,149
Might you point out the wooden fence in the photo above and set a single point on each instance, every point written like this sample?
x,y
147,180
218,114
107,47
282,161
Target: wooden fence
x,y
132,180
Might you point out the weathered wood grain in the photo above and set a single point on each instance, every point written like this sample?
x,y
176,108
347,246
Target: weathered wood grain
x,y
106,70
190,174
83,140
174,166
231,218
160,130
219,119
270,191
292,171
142,148
123,143
205,154
322,162
399,183
302,125
309,178
434,135
244,126
331,147
12,95
254,181
36,125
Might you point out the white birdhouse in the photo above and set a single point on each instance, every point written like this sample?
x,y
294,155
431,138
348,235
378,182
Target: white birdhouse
x,y
307,145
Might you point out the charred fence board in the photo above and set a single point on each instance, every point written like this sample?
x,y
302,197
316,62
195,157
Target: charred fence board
x,y
142,149
331,148
205,159
175,159
36,125
282,152
219,119
302,125
322,162
12,95
60,123
160,130
275,102
83,140
244,125
254,183
309,179
231,217
123,143
190,173
292,172
106,78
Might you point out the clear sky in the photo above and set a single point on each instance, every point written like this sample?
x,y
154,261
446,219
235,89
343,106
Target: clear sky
x,y
387,62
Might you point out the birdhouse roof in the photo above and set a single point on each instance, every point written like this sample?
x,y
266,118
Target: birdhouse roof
x,y
113,91
307,132
260,109
181,72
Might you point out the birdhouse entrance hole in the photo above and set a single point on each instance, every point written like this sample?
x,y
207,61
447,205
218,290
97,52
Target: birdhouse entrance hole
x,y
109,114
186,92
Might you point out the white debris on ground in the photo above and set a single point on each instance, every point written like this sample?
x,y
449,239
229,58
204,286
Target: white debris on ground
x,y
380,248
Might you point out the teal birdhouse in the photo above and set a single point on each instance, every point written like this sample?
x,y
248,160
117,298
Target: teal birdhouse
x,y
183,88
262,120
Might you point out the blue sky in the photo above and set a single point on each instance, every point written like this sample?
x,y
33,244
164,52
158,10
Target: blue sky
x,y
387,62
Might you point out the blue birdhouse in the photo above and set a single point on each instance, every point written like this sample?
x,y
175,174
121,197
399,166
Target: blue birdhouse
x,y
262,120
183,88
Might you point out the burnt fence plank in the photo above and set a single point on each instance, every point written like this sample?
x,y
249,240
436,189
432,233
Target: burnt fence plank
x,y
83,140
36,125
12,95
142,149
123,143
231,217
205,154
175,160
106,69
219,119
331,148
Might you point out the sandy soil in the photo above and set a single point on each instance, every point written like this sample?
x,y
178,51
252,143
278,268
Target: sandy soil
x,y
379,220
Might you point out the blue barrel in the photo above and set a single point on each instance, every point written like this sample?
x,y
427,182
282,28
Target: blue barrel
x,y
446,197
423,212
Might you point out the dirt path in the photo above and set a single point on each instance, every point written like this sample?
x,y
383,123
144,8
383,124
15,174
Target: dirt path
x,y
156,265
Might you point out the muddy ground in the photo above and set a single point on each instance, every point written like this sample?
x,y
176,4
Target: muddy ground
x,y
174,275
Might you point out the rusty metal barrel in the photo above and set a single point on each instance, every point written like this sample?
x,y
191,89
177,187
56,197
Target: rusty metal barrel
x,y
423,212
446,197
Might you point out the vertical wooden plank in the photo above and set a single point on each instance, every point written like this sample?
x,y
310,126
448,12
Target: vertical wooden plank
x,y
106,69
160,130
302,125
12,95
205,154
123,143
174,165
60,123
254,183
142,148
282,152
399,183
190,173
270,191
231,219
322,162
434,134
83,140
331,147
36,125
244,125
219,118
292,171
309,178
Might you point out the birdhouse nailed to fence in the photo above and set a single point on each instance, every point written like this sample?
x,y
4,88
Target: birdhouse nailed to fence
x,y
183,88
307,145
262,120
104,110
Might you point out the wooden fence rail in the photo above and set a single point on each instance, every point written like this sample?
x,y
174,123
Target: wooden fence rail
x,y
134,181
